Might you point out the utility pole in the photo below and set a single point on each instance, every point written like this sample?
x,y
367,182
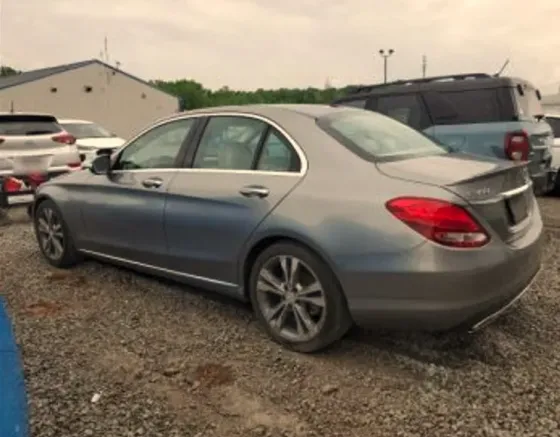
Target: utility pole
x,y
385,55
424,65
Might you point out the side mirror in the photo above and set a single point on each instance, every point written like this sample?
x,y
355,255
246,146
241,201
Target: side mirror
x,y
101,165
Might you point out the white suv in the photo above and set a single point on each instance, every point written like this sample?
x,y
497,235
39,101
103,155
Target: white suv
x,y
33,149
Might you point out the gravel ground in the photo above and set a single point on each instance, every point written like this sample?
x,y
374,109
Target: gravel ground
x,y
110,353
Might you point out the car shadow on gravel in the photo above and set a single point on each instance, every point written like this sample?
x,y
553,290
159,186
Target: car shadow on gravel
x,y
452,350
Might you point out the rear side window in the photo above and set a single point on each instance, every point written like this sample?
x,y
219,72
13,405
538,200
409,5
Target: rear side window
x,y
28,125
376,137
407,109
528,103
554,123
472,106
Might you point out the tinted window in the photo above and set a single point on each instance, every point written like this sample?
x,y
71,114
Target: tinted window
x,y
473,106
86,130
376,137
360,103
229,143
157,148
528,103
406,108
277,154
555,125
21,124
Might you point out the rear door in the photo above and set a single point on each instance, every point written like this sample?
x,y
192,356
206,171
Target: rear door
x,y
123,211
241,169
34,143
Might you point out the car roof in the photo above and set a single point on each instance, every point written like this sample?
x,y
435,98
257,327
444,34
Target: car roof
x,y
461,82
38,114
268,110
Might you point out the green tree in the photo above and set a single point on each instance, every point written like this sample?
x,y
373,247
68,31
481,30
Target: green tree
x,y
8,71
193,94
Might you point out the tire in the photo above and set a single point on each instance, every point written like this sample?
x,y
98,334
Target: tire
x,y
328,311
68,256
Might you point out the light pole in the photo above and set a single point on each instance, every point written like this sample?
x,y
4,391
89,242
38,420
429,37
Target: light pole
x,y
385,55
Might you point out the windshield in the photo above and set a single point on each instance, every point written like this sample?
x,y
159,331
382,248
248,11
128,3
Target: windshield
x,y
376,137
86,130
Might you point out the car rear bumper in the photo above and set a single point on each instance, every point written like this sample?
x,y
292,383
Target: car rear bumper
x,y
23,197
436,289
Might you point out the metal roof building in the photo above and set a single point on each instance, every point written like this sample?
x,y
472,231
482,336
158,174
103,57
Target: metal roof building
x,y
91,90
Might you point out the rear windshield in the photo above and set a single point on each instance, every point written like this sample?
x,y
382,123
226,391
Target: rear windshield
x,y
376,137
86,130
528,103
28,125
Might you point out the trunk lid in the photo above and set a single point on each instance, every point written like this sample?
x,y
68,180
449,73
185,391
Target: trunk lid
x,y
497,190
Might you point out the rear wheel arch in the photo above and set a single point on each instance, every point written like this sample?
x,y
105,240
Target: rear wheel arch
x,y
264,243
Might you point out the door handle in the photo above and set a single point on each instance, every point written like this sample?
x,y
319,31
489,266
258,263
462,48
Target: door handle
x,y
152,182
254,191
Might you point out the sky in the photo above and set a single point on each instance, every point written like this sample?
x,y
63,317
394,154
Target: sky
x,y
250,44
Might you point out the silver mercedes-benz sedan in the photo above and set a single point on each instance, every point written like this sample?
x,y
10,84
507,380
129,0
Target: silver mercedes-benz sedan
x,y
319,216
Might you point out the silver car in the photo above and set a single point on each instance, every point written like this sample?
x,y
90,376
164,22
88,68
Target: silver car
x,y
321,217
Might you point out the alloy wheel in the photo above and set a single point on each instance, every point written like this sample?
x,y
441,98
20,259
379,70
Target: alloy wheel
x,y
50,232
291,298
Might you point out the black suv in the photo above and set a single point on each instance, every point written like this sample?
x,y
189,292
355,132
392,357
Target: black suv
x,y
474,113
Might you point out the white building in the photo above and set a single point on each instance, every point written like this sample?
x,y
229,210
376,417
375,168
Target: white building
x,y
89,90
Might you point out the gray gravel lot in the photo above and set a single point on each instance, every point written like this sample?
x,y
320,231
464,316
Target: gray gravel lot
x,y
168,362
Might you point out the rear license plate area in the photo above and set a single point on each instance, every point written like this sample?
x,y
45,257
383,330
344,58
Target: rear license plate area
x,y
518,208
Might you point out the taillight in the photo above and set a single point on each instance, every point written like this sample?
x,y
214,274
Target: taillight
x,y
12,185
439,221
517,146
65,138
76,164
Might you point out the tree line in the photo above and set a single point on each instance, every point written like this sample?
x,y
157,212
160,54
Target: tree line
x,y
193,94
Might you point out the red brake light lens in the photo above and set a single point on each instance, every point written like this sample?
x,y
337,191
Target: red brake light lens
x,y
439,221
12,185
517,146
65,138
76,164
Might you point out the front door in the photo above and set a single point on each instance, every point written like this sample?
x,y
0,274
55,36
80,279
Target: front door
x,y
242,169
123,213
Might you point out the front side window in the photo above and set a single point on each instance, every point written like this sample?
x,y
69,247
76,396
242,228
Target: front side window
x,y
277,154
404,108
359,103
157,148
376,137
229,143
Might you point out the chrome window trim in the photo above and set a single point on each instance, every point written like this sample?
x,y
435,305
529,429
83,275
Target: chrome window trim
x,y
301,154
